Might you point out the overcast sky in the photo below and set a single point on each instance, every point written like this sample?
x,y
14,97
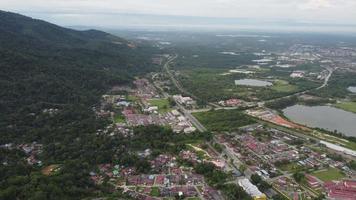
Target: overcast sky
x,y
128,12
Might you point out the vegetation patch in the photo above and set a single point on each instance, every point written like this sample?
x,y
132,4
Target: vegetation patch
x,y
329,174
283,86
223,120
290,167
347,106
119,118
155,192
162,104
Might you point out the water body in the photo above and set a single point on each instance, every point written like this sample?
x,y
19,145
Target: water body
x,y
325,117
253,82
352,89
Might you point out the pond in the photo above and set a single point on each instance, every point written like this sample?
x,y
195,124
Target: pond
x,y
253,82
325,117
352,89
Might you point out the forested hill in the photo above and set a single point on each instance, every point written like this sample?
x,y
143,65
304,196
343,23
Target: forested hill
x,y
44,66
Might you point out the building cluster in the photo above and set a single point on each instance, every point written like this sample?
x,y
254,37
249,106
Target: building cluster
x,y
186,101
136,119
138,111
166,180
273,117
235,103
297,74
272,153
145,90
271,150
290,188
178,122
341,189
32,151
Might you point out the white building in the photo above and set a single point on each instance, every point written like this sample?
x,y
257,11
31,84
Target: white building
x,y
297,74
251,189
189,129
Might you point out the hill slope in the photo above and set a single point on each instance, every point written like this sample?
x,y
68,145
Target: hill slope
x,y
46,66
41,63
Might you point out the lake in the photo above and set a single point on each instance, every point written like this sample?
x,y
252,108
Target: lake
x,y
253,82
352,89
325,117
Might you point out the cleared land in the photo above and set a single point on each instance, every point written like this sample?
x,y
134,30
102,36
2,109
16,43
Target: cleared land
x,y
283,86
223,120
329,174
49,170
162,104
211,85
347,106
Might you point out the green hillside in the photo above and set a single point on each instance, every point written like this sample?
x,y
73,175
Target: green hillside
x,y
45,66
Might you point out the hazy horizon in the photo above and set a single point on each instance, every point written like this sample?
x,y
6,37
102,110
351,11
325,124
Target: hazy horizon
x,y
262,15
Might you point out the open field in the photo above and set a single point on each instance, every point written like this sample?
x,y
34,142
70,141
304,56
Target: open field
x,y
290,167
347,106
155,192
329,174
315,134
283,86
223,120
216,84
162,104
119,118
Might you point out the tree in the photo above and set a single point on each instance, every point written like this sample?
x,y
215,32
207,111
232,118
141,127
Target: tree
x,y
299,177
255,179
242,168
234,192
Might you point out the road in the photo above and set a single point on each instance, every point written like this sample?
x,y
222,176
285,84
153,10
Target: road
x,y
185,112
191,118
177,83
326,81
327,78
173,79
183,91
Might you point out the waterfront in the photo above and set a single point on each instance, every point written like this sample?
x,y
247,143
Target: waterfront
x,y
325,117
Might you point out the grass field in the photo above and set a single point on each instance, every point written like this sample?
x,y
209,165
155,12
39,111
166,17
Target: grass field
x,y
347,106
162,104
329,174
283,86
154,192
119,118
223,120
291,167
132,98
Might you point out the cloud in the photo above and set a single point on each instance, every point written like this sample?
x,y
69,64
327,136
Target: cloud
x,y
70,11
315,5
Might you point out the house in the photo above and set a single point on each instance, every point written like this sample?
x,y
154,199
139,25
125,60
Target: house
x,y
312,182
297,74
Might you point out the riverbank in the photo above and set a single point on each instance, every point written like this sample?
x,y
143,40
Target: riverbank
x,y
347,106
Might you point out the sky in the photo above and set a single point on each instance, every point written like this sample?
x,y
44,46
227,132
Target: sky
x,y
118,13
